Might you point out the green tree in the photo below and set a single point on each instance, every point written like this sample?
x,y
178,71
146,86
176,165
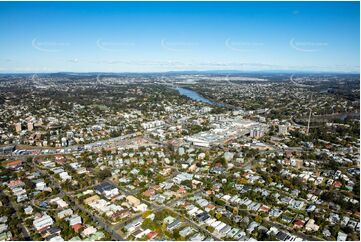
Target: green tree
x,y
104,174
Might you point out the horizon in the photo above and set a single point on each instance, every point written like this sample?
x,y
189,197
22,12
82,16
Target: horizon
x,y
159,37
220,72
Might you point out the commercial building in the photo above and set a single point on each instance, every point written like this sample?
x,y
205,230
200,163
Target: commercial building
x,y
30,126
224,131
153,124
256,133
18,127
282,130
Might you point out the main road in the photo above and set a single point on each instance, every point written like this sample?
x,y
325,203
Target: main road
x,y
109,143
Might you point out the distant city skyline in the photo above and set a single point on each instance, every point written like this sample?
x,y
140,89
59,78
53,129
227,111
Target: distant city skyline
x,y
179,36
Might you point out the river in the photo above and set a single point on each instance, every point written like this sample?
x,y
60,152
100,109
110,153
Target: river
x,y
195,96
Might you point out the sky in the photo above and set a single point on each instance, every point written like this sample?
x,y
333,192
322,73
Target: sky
x,y
174,36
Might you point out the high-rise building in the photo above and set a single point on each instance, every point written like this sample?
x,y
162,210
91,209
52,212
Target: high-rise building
x,y
64,142
18,127
282,130
30,126
256,133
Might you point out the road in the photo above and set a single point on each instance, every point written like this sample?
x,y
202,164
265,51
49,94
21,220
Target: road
x,y
112,229
280,226
22,226
73,149
101,222
156,207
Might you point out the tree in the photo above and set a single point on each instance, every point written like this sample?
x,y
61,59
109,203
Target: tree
x,y
103,174
235,210
147,223
187,183
146,214
67,185
258,219
210,229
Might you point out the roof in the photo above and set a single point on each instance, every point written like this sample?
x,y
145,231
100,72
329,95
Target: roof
x,y
7,149
97,236
174,224
77,227
149,192
211,206
299,223
337,184
54,230
12,163
76,238
105,186
132,199
282,236
152,234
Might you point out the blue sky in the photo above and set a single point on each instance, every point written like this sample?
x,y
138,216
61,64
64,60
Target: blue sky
x,y
170,36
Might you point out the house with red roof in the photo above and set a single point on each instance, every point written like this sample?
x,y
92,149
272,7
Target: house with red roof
x,y
337,184
59,159
15,183
152,234
77,227
182,190
12,164
264,208
148,193
298,224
